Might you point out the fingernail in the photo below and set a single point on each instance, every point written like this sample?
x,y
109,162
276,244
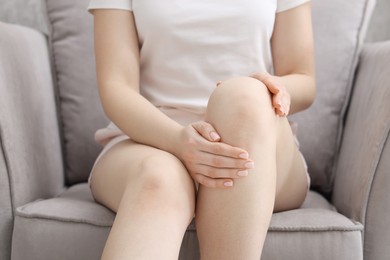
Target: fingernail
x,y
250,165
228,184
242,173
214,136
282,110
244,155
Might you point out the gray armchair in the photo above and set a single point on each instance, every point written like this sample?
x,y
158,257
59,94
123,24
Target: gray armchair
x,y
49,110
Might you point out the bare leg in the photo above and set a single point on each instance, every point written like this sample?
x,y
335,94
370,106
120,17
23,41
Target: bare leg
x,y
232,223
153,196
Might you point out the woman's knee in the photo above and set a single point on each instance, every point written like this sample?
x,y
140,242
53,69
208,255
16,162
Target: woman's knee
x,y
244,98
161,172
163,178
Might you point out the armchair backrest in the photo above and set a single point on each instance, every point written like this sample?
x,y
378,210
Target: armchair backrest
x,y
31,163
339,27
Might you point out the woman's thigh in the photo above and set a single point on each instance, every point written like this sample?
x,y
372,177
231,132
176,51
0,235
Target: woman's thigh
x,y
292,182
129,165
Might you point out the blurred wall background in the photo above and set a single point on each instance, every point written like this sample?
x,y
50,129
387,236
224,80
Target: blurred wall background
x,y
29,13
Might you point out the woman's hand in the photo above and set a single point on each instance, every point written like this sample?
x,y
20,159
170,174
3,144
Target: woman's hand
x,y
210,162
281,99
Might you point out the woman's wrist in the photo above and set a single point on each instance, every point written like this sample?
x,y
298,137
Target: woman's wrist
x,y
174,143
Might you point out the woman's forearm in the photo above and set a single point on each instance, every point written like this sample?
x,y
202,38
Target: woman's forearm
x,y
139,119
302,90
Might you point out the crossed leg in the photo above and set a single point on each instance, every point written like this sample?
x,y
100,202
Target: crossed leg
x,y
232,223
154,195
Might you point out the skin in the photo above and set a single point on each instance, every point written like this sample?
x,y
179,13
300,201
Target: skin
x,y
242,156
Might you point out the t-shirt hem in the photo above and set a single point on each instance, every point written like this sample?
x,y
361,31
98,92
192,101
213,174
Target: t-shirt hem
x,y
104,4
290,4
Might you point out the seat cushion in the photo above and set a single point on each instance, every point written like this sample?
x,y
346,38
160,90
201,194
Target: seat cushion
x,y
76,227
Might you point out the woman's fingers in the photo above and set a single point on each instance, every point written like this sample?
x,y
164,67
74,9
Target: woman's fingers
x,y
281,98
286,101
223,149
212,144
281,102
218,173
213,183
210,161
216,155
278,105
268,81
216,166
207,131
224,162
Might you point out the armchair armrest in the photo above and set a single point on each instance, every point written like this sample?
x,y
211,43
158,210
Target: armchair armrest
x,y
30,144
362,178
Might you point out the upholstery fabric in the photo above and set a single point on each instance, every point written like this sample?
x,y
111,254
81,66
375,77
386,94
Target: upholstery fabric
x,y
362,178
30,152
71,46
28,121
23,12
48,239
337,36
82,113
76,228
378,29
377,230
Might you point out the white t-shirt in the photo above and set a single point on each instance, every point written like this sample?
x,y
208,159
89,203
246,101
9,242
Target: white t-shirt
x,y
186,46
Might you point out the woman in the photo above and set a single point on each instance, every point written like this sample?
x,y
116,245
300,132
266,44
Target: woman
x,y
177,144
